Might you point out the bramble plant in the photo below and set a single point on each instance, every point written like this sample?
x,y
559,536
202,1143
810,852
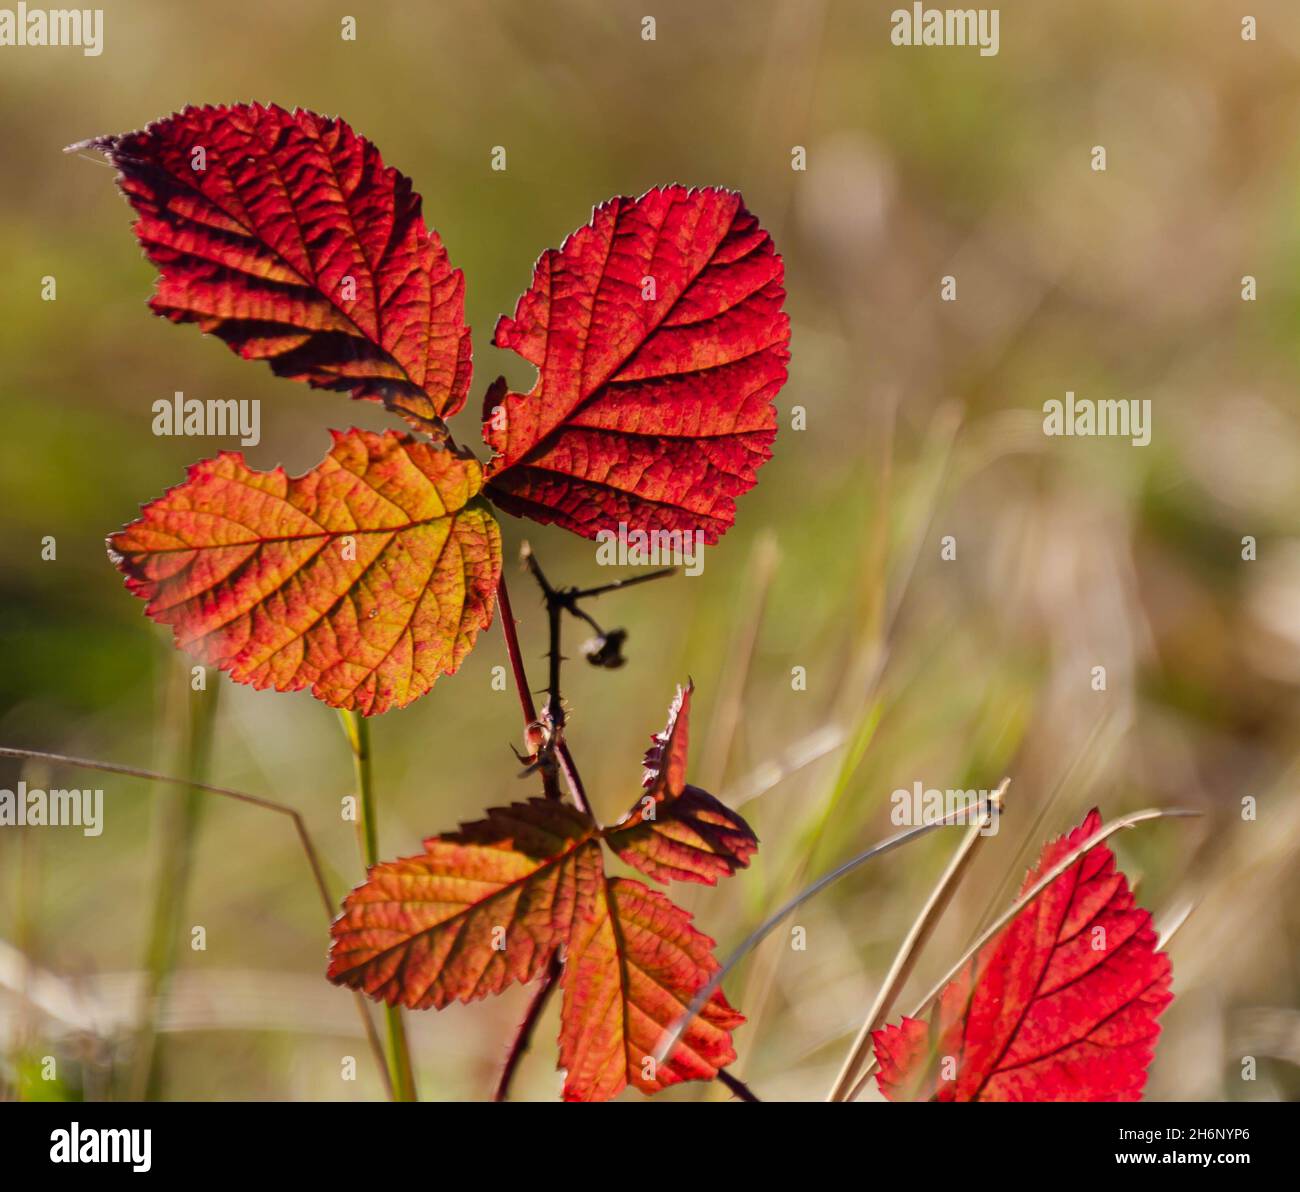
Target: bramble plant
x,y
660,342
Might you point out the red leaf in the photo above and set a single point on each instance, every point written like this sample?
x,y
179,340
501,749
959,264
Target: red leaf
x,y
676,831
1059,1006
633,965
364,578
421,930
296,245
652,406
492,903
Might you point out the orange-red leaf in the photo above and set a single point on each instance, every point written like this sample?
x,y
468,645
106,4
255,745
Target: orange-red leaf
x,y
495,901
634,963
363,579
676,831
660,342
480,908
285,235
1060,1006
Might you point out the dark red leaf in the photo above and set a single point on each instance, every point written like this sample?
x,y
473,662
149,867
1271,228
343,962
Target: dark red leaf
x,y
295,244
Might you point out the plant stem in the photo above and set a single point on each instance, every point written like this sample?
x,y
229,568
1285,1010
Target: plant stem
x,y
565,600
916,939
1070,858
631,581
511,631
550,786
736,1085
357,730
571,776
673,1034
524,1036
554,655
555,750
175,866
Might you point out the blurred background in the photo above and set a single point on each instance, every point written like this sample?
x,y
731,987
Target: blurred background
x,y
923,420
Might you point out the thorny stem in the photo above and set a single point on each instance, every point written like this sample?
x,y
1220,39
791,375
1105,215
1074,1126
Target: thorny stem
x,y
308,848
916,939
357,730
737,1086
558,602
524,1036
555,660
571,776
554,611
565,600
549,785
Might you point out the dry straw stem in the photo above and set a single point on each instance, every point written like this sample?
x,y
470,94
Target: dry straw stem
x,y
916,939
313,859
673,1034
860,689
1073,777
1102,833
1172,924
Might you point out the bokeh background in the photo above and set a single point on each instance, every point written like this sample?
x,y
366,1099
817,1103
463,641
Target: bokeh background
x,y
923,420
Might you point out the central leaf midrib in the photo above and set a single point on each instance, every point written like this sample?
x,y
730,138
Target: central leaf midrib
x,y
549,863
326,534
599,386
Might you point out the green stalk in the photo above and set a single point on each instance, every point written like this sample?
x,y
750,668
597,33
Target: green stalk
x,y
180,832
357,730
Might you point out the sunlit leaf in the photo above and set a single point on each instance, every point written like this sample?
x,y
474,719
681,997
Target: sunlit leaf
x,y
660,342
284,234
1061,1005
363,579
